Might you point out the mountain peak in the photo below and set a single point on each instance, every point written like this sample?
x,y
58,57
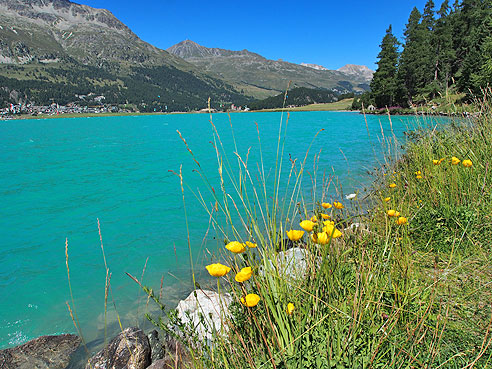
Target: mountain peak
x,y
360,70
188,49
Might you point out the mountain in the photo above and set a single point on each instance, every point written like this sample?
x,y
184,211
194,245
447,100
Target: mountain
x,y
357,70
261,77
86,51
314,66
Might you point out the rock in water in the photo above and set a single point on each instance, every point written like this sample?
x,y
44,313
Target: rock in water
x,y
212,306
129,350
46,352
156,350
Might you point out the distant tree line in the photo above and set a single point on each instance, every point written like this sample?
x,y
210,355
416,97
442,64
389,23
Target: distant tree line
x,y
298,96
162,88
448,51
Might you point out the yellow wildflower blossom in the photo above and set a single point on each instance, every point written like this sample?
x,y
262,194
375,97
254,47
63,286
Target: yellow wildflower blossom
x,y
392,185
321,238
331,231
251,245
244,274
338,205
218,270
467,163
295,235
290,308
326,205
235,247
401,221
251,300
307,225
455,160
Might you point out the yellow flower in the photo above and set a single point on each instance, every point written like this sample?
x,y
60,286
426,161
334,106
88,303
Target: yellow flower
x,y
397,214
401,221
235,247
419,177
441,160
218,270
250,300
251,245
455,160
295,235
328,222
467,163
321,238
290,308
326,205
331,231
325,216
338,205
436,162
418,172
392,185
314,219
391,212
386,199
307,225
244,275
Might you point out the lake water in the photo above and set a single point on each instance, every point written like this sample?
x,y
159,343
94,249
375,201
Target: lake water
x,y
57,176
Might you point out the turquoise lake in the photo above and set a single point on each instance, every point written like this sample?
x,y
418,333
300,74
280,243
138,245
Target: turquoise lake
x,y
58,176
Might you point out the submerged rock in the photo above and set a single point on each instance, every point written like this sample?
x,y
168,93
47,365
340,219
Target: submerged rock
x,y
128,350
51,352
157,351
212,307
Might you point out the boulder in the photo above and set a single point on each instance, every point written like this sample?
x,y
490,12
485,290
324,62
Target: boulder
x,y
157,352
51,352
129,350
209,304
293,263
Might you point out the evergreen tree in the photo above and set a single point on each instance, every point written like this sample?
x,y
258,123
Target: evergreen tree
x,y
483,77
384,84
411,57
427,55
443,35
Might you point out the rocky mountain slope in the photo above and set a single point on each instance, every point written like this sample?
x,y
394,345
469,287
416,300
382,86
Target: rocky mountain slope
x,y
357,70
261,77
58,42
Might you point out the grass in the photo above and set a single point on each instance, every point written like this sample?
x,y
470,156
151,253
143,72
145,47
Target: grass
x,y
406,291
344,104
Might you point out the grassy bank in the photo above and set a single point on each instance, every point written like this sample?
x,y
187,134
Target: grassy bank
x,y
344,104
405,284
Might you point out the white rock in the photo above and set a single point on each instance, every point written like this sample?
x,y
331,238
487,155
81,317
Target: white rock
x,y
293,263
211,305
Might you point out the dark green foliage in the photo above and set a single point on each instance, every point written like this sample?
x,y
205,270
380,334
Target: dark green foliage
x,y
450,49
384,85
363,100
297,96
150,88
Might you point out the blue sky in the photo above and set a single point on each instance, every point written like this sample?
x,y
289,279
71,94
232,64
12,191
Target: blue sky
x,y
329,33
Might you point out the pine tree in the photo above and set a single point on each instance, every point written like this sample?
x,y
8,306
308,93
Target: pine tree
x,y
411,57
445,53
384,84
427,58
